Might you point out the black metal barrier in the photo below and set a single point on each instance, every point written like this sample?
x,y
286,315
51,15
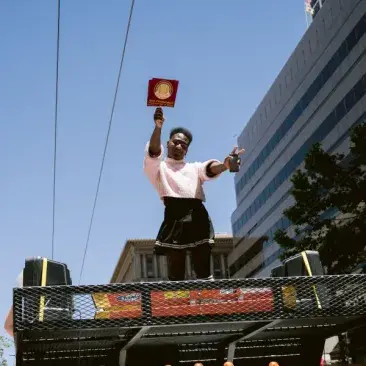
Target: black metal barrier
x,y
196,318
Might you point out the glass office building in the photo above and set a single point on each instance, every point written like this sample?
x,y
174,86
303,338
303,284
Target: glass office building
x,y
316,6
318,96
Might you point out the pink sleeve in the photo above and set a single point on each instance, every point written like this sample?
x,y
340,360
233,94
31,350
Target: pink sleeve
x,y
152,164
202,170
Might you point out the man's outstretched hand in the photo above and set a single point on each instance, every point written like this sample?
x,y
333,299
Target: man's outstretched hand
x,y
231,162
159,117
235,153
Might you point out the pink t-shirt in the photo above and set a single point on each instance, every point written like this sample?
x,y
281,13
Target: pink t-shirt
x,y
176,178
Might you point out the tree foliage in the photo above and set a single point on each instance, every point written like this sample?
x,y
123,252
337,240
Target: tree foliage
x,y
329,214
4,343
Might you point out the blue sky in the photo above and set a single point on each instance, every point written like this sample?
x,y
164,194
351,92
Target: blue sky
x,y
225,55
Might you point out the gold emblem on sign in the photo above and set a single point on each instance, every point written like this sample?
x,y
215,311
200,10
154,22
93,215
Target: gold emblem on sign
x,y
163,90
176,294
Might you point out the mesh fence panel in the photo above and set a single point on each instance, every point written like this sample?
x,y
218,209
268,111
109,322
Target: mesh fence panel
x,y
166,303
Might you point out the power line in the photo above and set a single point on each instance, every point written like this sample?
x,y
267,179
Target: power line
x,y
107,136
55,128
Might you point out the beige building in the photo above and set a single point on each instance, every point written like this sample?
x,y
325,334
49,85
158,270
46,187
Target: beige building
x,y
137,261
246,257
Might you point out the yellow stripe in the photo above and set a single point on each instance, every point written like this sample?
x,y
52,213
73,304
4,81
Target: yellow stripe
x,y
43,283
307,265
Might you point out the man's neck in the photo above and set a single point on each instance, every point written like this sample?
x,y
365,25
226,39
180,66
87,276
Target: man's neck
x,y
172,160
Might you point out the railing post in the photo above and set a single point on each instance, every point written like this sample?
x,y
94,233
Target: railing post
x,y
278,306
146,303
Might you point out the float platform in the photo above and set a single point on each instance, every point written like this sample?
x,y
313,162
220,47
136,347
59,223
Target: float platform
x,y
248,321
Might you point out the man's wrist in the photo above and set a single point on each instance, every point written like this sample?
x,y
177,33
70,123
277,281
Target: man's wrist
x,y
223,168
214,169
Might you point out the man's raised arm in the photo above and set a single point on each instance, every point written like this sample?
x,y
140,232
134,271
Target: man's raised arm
x,y
155,139
153,150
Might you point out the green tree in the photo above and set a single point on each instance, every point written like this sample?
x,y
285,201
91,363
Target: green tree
x,y
330,183
4,343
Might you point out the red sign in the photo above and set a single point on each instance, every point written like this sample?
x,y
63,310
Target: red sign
x,y
117,305
211,302
185,303
162,93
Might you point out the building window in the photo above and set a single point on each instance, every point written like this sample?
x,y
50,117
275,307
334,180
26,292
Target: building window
x,y
216,258
149,266
158,270
186,273
323,23
226,266
247,256
313,90
352,97
317,38
345,48
142,274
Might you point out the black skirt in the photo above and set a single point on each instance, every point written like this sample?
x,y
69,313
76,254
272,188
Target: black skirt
x,y
186,225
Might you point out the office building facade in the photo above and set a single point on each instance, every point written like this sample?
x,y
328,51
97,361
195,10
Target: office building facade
x,y
138,262
318,96
316,5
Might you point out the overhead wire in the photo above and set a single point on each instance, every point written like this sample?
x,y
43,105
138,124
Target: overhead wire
x,y
55,129
107,136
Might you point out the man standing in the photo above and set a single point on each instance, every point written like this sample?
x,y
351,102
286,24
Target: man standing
x,y
186,225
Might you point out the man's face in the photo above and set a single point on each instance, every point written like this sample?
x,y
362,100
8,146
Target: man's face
x,y
178,146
